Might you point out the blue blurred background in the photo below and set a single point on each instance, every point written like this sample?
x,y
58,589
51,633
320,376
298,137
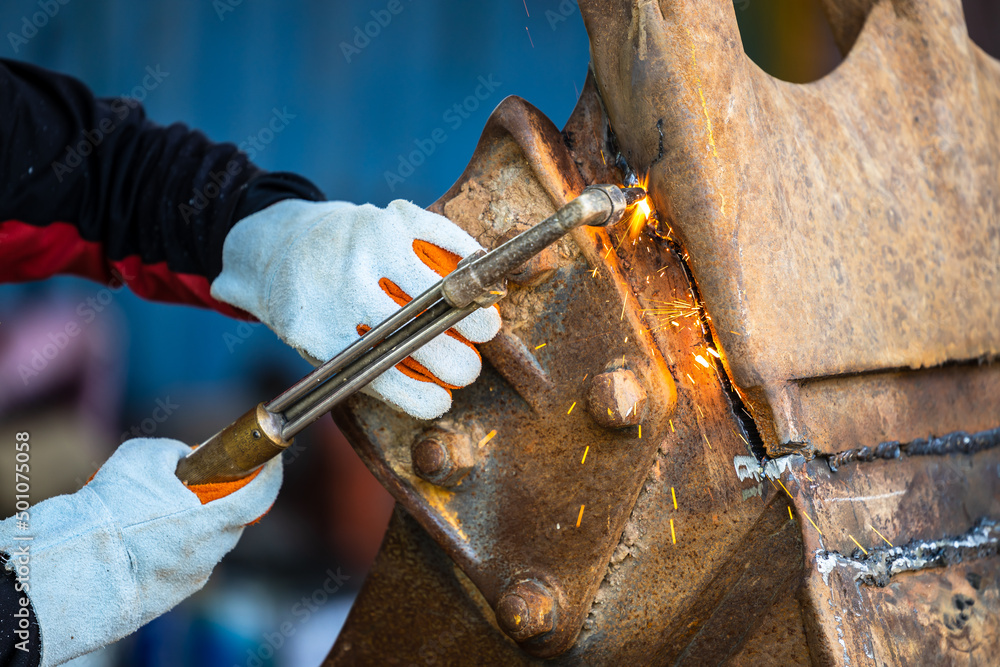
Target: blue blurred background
x,y
355,103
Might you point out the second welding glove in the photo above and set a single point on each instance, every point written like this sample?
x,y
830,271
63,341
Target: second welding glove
x,y
320,274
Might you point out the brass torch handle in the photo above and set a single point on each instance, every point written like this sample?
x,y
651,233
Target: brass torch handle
x,y
235,451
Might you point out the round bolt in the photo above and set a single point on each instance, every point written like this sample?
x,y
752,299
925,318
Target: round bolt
x,y
615,399
430,458
442,457
526,610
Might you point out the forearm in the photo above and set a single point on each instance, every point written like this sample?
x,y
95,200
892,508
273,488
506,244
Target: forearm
x,y
89,186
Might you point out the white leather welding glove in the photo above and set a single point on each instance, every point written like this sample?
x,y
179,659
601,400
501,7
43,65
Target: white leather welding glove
x,y
320,274
128,546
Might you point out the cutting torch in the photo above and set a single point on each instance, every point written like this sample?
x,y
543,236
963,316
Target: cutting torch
x,y
479,281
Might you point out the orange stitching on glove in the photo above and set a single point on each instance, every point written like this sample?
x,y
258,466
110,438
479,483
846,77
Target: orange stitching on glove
x,y
439,260
411,368
214,490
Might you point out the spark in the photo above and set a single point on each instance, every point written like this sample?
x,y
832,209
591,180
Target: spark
x,y
672,535
672,426
690,378
593,274
602,158
674,496
790,513
571,408
706,440
880,534
625,303
579,517
585,377
489,436
584,459
713,353
640,431
786,490
701,360
493,291
858,543
526,8
529,36
538,347
814,525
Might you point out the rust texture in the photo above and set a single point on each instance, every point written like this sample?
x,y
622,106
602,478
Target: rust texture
x,y
837,246
512,518
845,226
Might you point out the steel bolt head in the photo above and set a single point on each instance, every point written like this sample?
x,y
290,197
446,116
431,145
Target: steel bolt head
x,y
442,457
526,610
616,399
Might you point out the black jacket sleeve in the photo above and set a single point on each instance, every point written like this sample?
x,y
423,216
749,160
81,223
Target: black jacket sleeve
x,y
20,644
91,187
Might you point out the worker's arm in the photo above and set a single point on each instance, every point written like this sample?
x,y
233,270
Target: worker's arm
x,y
89,186
96,565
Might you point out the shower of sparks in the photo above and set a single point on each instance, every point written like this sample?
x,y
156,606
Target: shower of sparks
x,y
668,312
880,534
814,525
579,517
584,459
858,543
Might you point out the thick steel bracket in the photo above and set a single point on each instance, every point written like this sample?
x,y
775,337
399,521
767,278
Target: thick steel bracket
x,y
537,466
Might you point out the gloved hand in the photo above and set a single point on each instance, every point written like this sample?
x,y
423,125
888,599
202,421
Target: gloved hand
x,y
320,274
129,545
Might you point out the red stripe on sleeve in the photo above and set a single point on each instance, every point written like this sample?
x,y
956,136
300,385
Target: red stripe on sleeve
x,y
30,252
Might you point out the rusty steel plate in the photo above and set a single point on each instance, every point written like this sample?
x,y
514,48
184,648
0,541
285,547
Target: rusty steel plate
x,y
850,225
557,456
837,245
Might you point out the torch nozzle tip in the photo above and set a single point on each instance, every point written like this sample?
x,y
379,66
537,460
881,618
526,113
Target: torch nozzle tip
x,y
633,195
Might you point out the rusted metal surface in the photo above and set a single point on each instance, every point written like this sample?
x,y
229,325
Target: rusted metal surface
x,y
846,226
512,518
838,245
687,572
